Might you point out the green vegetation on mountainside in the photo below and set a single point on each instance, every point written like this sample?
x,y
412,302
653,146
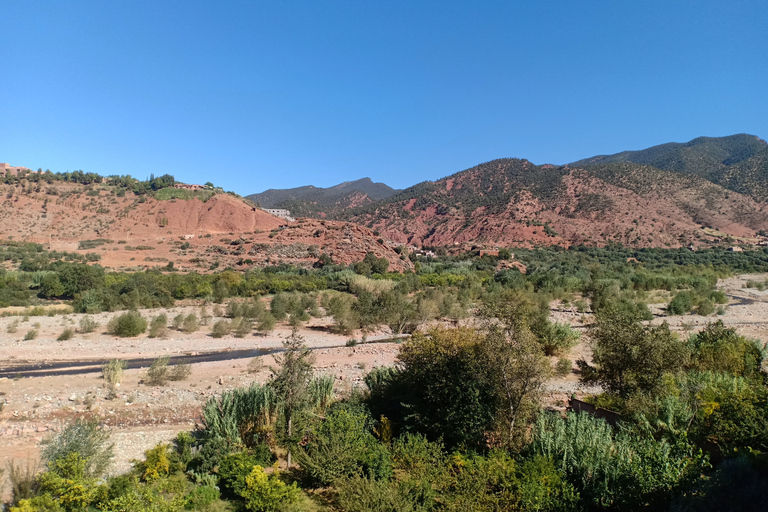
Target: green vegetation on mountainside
x,y
737,162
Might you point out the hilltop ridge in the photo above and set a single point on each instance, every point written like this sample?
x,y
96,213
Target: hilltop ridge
x,y
736,162
316,201
134,227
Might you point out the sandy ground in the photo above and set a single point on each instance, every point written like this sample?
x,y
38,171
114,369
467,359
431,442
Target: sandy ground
x,y
142,416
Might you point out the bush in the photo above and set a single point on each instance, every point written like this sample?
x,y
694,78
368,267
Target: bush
x,y
361,494
721,349
12,327
22,480
158,328
190,323
205,316
563,366
31,334
615,470
157,374
180,371
127,325
344,446
255,365
267,493
233,468
266,323
557,338
66,334
242,327
178,321
706,307
88,324
112,373
84,437
221,329
202,497
156,463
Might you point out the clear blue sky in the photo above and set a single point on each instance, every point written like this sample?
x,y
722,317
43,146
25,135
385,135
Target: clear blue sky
x,y
253,95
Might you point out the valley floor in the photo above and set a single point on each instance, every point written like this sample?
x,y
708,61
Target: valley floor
x,y
45,383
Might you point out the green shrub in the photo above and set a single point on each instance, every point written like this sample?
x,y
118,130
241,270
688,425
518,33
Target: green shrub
x,y
267,493
180,371
240,416
156,463
201,497
158,327
66,334
112,373
190,323
280,305
361,494
13,327
721,349
343,446
23,480
266,323
557,338
682,303
563,367
178,321
88,324
31,334
157,373
127,325
234,467
733,415
205,316
221,329
85,438
615,470
705,308
242,327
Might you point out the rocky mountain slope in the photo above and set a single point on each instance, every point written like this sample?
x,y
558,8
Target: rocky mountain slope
x,y
512,201
737,162
319,202
129,231
702,191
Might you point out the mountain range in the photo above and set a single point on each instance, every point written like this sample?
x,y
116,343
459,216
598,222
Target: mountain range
x,y
702,191
311,201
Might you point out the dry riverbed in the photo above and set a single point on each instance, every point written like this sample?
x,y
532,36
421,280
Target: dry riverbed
x,y
45,383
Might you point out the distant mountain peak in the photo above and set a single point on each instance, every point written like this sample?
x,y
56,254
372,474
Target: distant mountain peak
x,y
310,200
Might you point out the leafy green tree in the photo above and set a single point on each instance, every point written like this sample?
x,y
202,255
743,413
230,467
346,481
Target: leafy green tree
x,y
78,278
468,387
732,413
629,356
51,286
719,348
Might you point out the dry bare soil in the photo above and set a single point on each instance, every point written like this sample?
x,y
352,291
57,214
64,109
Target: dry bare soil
x,y
132,232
